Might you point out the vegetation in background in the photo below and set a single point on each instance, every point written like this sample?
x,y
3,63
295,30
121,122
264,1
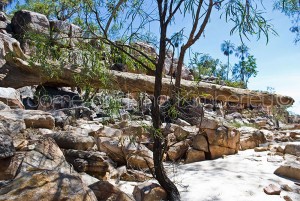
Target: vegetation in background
x,y
227,48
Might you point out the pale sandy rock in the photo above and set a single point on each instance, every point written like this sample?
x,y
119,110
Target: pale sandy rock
x,y
251,138
290,169
47,185
106,191
193,155
32,118
149,192
96,164
72,140
11,97
200,143
272,190
218,151
45,155
178,150
293,149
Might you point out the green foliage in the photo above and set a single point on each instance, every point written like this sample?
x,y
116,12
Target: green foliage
x,y
235,84
247,19
237,124
245,69
290,8
203,64
58,9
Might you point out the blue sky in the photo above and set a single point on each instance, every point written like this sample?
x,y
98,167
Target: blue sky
x,y
278,61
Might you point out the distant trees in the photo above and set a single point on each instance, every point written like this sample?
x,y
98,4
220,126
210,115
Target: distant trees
x,y
227,48
204,64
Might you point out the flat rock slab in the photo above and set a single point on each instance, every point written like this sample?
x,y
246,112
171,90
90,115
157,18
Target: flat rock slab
x,y
272,190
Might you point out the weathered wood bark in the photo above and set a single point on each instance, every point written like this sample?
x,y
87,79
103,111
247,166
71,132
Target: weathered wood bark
x,y
17,73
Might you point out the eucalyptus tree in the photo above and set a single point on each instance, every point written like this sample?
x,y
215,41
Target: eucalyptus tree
x,y
227,48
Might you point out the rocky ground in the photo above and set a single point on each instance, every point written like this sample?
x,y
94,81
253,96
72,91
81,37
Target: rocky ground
x,y
82,154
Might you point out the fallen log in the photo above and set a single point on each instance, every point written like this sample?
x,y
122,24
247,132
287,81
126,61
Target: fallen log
x,y
16,72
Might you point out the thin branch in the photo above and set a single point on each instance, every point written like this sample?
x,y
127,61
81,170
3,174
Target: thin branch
x,y
113,14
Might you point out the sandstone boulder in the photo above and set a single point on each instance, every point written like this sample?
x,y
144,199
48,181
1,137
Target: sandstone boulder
x,y
25,22
193,155
11,97
94,163
44,154
218,151
200,143
293,149
290,169
106,191
272,190
251,137
72,140
46,185
178,150
32,118
149,192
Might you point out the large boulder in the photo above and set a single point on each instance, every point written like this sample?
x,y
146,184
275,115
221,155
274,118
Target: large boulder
x,y
251,138
65,34
218,151
11,97
25,21
106,191
44,154
94,163
72,140
193,155
149,192
46,185
32,118
200,143
224,136
178,150
290,169
293,149
113,149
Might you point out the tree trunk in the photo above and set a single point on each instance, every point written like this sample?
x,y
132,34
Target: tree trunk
x,y
179,70
160,174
